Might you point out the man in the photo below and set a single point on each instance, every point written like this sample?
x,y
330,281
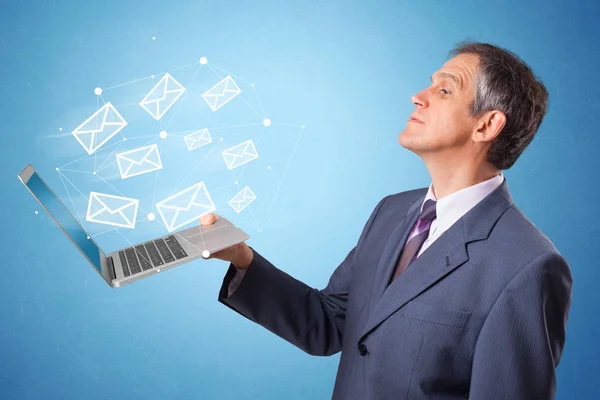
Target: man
x,y
450,292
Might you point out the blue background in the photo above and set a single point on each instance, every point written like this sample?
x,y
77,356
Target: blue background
x,y
344,69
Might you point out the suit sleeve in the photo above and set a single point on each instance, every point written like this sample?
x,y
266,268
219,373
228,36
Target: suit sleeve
x,y
522,339
311,319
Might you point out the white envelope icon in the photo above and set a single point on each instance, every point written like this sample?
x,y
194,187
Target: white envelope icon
x,y
222,93
139,161
162,96
242,199
112,210
240,154
185,207
99,128
197,139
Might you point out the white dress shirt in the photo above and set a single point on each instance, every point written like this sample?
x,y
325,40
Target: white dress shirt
x,y
448,210
451,208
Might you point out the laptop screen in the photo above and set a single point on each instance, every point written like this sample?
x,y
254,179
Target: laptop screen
x,y
65,219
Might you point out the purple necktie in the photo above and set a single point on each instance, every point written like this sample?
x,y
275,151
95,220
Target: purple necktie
x,y
420,232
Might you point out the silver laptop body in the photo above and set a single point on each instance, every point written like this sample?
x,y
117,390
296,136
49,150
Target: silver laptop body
x,y
142,260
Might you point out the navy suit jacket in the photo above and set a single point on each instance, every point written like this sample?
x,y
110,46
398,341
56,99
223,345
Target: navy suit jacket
x,y
480,314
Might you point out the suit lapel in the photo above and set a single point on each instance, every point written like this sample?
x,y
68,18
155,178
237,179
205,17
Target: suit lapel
x,y
446,253
391,251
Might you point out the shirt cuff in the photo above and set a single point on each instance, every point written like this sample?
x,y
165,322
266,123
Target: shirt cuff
x,y
236,280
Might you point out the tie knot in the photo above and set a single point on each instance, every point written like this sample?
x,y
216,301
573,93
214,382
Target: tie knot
x,y
428,213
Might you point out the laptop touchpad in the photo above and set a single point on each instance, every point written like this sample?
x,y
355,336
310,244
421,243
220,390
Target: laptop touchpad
x,y
215,237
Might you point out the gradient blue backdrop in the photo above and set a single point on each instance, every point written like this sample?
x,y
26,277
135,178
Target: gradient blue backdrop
x,y
344,69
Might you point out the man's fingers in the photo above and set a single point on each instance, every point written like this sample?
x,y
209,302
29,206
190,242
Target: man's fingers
x,y
208,219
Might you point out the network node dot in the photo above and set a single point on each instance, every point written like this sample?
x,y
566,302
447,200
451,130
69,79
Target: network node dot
x,y
163,134
236,182
152,76
206,254
304,126
269,167
94,172
252,84
151,216
57,168
153,37
88,237
36,212
124,139
203,60
267,122
60,129
97,91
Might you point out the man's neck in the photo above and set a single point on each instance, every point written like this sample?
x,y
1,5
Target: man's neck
x,y
446,181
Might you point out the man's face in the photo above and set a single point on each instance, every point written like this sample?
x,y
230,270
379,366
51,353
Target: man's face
x,y
443,109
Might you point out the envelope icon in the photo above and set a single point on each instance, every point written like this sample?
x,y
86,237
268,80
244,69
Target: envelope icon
x,y
162,96
99,128
139,161
112,210
185,207
222,93
197,139
240,154
242,199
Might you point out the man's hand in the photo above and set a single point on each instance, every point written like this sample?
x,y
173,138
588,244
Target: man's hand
x,y
240,255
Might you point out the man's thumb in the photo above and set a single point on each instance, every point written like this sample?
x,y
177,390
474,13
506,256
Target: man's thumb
x,y
208,219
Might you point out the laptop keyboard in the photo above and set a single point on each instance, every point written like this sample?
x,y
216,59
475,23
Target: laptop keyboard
x,y
150,255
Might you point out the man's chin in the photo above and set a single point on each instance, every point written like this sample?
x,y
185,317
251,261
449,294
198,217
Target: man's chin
x,y
404,140
410,142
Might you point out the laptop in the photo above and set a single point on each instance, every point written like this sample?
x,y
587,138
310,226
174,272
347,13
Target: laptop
x,y
142,260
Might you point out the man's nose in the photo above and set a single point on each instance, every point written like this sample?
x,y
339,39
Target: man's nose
x,y
420,99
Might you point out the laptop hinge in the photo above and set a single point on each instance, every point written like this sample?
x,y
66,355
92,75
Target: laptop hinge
x,y
111,268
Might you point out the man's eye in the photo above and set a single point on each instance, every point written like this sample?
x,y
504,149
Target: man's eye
x,y
446,91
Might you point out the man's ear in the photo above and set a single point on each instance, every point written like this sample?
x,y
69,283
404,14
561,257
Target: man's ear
x,y
489,126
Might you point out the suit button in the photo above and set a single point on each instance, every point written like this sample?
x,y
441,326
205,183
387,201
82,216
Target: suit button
x,y
362,349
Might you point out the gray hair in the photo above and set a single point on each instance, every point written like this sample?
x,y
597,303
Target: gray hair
x,y
506,83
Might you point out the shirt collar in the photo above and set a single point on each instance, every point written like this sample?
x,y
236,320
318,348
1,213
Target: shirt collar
x,y
452,207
